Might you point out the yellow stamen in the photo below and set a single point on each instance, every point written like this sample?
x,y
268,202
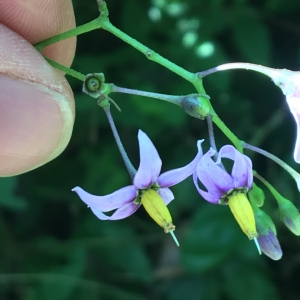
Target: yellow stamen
x,y
158,211
243,213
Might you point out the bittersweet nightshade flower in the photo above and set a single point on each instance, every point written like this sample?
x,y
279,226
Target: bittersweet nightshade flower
x,y
228,188
148,188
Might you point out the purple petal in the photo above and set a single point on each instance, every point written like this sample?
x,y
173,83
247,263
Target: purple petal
x,y
242,166
294,105
166,194
215,179
270,246
108,202
207,196
150,163
175,176
121,213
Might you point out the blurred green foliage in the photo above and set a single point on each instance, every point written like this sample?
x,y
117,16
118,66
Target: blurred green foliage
x,y
53,247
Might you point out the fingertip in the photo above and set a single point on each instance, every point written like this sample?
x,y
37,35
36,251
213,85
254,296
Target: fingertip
x,y
36,107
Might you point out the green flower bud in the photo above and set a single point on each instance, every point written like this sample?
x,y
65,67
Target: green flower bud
x,y
266,230
289,214
195,105
256,195
263,221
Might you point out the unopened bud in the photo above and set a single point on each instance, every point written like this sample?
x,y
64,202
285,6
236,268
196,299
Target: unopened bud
x,y
266,230
195,105
289,214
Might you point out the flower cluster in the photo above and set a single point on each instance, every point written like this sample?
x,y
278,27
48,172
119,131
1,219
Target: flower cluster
x,y
152,190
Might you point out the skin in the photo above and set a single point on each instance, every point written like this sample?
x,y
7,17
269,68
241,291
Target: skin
x,y
36,101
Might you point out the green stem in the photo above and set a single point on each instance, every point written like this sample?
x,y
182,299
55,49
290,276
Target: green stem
x,y
269,186
130,168
228,133
280,162
65,69
150,54
95,24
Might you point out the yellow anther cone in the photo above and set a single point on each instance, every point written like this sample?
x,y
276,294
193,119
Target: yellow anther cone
x,y
158,211
243,213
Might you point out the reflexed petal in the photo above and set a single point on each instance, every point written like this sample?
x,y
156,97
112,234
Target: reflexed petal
x,y
108,202
207,196
294,105
242,166
215,179
166,194
175,176
150,163
121,213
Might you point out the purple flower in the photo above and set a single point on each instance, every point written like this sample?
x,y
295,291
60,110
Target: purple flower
x,y
127,199
217,180
269,245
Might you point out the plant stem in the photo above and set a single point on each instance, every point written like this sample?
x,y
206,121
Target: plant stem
x,y
230,135
130,168
211,135
240,65
65,69
269,186
284,165
95,24
150,54
164,97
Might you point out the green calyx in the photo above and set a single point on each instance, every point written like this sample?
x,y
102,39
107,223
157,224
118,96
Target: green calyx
x,y
94,85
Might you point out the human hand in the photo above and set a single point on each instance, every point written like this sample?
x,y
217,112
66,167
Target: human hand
x,y
36,101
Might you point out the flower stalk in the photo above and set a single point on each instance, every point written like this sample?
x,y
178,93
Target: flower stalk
x,y
285,166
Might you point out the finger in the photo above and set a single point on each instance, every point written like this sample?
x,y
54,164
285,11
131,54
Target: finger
x,y
36,20
36,107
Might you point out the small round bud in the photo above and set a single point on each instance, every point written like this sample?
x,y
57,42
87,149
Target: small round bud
x,y
94,84
196,105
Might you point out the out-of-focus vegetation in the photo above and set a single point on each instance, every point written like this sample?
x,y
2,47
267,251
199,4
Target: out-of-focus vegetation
x,y
53,248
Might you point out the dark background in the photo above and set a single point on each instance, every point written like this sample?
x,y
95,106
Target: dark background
x,y
53,247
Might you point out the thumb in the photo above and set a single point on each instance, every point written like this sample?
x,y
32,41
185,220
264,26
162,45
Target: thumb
x,y
36,107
